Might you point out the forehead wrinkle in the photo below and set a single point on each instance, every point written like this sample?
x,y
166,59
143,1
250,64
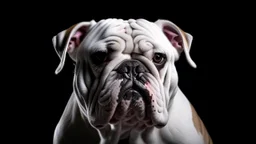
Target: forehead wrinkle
x,y
156,34
146,25
136,34
151,37
115,27
129,43
96,33
121,28
149,31
150,27
119,31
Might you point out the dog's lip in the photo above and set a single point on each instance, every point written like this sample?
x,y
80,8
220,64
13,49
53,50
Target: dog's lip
x,y
126,91
136,89
129,85
131,90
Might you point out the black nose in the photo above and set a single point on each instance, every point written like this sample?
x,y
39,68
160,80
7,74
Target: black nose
x,y
131,68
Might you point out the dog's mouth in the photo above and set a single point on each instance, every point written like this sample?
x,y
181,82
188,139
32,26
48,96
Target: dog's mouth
x,y
133,102
134,80
133,89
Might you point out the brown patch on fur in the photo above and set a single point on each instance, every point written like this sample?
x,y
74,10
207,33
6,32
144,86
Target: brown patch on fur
x,y
185,43
199,125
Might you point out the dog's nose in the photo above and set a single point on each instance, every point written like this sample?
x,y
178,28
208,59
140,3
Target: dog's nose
x,y
131,68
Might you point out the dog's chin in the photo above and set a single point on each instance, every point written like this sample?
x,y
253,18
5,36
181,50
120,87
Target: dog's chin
x,y
132,110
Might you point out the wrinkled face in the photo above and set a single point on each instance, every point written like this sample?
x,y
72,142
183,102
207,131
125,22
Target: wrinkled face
x,y
125,72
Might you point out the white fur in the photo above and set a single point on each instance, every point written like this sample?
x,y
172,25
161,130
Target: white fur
x,y
180,125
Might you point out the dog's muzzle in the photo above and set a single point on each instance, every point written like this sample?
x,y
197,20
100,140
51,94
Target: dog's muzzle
x,y
133,97
130,95
131,72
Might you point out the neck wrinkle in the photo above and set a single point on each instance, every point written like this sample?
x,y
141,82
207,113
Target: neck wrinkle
x,y
172,94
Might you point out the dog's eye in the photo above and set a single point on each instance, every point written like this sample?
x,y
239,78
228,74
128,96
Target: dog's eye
x,y
99,57
159,58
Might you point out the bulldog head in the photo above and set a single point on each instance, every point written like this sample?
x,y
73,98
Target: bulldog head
x,y
124,70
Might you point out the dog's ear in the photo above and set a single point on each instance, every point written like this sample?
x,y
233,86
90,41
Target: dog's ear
x,y
69,41
179,39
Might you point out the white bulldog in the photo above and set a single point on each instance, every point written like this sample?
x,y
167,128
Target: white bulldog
x,y
126,84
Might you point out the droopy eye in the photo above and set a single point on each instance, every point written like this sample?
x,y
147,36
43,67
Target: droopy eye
x,y
99,57
159,58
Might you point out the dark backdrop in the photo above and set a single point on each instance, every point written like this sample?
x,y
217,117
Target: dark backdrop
x,y
195,83
45,94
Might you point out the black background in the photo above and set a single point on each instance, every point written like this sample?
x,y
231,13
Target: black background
x,y
193,82
42,96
